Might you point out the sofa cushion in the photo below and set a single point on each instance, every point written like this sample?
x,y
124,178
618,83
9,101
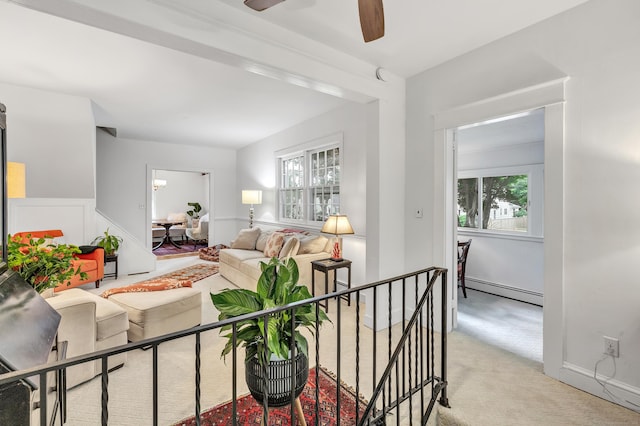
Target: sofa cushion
x,y
234,257
144,308
251,268
111,319
312,244
290,248
274,244
246,239
261,243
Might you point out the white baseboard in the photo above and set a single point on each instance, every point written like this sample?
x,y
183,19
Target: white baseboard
x,y
504,290
581,378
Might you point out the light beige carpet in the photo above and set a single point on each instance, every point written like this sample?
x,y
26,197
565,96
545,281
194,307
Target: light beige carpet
x,y
490,386
487,386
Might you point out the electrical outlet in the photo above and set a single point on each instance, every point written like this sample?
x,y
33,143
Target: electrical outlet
x,y
611,346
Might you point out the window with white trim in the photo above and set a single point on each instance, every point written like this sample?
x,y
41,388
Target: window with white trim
x,y
500,200
309,185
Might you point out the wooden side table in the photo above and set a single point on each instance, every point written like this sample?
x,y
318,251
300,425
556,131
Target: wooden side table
x,y
109,258
324,266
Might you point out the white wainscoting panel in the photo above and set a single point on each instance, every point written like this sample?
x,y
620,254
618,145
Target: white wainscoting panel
x,y
75,217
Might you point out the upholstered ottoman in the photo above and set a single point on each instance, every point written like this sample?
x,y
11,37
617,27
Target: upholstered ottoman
x,y
155,313
89,323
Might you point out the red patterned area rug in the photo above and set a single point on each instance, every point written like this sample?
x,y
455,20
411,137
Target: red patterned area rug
x,y
249,412
192,273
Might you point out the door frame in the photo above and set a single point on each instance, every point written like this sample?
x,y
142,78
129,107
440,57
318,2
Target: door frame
x,y
149,179
549,96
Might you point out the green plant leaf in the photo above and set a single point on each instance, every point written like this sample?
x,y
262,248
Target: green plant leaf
x,y
236,302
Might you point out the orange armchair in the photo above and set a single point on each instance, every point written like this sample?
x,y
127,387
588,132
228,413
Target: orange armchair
x,y
90,263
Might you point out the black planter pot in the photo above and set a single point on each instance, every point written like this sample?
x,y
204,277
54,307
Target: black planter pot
x,y
278,379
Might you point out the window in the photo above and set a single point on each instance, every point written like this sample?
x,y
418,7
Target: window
x,y
494,202
309,185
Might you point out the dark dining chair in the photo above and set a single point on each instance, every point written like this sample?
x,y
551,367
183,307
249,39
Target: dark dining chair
x,y
463,251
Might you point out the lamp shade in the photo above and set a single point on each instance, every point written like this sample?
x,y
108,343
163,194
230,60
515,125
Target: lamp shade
x,y
16,181
250,196
337,224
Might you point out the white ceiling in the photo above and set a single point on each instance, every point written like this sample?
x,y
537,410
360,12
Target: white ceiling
x,y
516,129
154,93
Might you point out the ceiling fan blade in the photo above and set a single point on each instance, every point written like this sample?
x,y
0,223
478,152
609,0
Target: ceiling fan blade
x,y
371,19
261,5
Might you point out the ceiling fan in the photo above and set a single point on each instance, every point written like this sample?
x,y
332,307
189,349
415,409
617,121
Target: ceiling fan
x,y
371,15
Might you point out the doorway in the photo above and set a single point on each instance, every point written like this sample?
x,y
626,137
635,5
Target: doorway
x,y
550,97
171,190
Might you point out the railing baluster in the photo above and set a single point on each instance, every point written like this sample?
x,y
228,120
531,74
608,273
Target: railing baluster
x,y
292,370
421,332
234,372
105,392
198,348
357,356
264,364
443,342
375,337
338,348
402,306
389,327
317,409
155,384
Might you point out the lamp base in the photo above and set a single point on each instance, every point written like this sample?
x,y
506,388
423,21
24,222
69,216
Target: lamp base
x,y
337,259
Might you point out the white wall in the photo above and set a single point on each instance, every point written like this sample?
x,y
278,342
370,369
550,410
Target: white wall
x,y
54,135
182,188
124,170
257,170
596,45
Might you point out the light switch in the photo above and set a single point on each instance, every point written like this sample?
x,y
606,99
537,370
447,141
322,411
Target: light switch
x,y
418,213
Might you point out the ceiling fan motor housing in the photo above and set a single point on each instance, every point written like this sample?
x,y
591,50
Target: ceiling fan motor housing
x,y
261,5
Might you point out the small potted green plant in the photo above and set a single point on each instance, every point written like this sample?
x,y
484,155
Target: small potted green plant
x,y
42,265
110,243
194,213
277,286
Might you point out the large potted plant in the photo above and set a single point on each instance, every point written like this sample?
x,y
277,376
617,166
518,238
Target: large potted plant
x,y
277,286
110,243
42,264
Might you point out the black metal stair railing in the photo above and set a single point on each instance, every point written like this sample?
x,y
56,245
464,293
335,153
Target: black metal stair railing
x,y
383,347
403,359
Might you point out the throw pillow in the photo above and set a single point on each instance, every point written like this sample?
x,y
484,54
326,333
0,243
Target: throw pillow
x,y
262,240
246,239
312,244
274,244
290,248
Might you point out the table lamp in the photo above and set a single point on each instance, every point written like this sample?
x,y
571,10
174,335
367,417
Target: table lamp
x,y
251,196
337,224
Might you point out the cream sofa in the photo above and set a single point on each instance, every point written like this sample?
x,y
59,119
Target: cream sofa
x,y
89,323
241,266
